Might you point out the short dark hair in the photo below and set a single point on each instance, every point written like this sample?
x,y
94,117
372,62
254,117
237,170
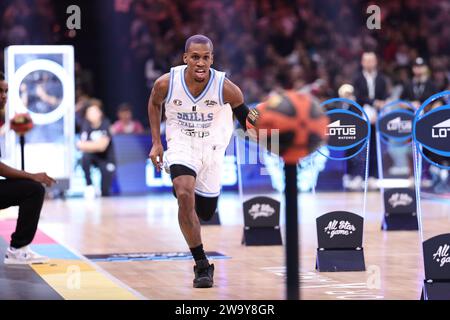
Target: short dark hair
x,y
124,107
2,76
198,38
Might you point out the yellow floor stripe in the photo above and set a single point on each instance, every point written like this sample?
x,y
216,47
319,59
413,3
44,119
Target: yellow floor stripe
x,y
78,280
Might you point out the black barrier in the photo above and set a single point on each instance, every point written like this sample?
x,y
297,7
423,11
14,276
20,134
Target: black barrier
x,y
400,209
261,213
261,222
436,256
339,238
431,132
340,233
394,132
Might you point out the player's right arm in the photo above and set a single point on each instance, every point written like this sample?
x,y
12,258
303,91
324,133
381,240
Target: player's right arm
x,y
11,173
157,96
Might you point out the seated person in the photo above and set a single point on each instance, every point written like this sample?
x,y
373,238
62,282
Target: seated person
x,y
25,190
125,123
96,145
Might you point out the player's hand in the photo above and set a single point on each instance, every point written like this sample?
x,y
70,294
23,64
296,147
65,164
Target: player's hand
x,y
156,155
42,177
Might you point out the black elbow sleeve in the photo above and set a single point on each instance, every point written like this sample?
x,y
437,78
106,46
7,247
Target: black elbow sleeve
x,y
241,113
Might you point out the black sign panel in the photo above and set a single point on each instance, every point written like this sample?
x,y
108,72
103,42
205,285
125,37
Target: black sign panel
x,y
396,124
339,230
433,131
436,254
399,200
261,212
346,129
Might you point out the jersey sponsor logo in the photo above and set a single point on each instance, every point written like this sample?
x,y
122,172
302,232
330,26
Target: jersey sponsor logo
x,y
196,134
194,125
195,116
177,102
210,103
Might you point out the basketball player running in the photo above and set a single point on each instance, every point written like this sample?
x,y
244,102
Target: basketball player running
x,y
199,106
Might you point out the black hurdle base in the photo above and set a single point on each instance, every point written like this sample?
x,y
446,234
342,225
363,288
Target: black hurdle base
x,y
400,221
435,290
336,260
214,221
262,236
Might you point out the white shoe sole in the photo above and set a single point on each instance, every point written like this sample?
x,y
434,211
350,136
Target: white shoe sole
x,y
21,262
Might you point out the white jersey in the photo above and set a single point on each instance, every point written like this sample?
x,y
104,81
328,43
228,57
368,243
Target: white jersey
x,y
205,119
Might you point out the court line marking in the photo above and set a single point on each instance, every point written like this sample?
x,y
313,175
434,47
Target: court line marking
x,y
99,269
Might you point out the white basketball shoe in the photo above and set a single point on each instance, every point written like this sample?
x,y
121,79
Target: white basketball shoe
x,y
23,255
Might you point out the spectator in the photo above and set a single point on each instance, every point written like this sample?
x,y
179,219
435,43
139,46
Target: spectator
x,y
370,92
96,145
421,86
125,123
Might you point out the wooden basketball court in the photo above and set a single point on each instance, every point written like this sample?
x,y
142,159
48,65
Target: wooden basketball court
x,y
144,224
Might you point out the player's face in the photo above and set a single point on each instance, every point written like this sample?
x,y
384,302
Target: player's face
x,y
3,93
199,59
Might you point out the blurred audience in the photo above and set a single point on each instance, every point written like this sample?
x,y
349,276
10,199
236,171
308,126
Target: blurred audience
x,y
421,86
263,45
125,123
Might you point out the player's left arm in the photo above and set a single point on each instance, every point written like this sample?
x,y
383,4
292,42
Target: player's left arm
x,y
232,94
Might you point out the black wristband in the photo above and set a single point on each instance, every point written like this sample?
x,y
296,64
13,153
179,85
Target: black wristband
x,y
241,113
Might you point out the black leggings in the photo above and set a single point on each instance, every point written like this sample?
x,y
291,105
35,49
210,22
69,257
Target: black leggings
x,y
29,196
107,169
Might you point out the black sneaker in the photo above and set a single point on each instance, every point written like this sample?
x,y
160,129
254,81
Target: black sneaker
x,y
204,273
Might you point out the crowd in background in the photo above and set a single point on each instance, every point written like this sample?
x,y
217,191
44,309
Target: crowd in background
x,y
262,45
268,44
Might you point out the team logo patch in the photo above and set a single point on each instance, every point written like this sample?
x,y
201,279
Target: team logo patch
x,y
177,102
210,103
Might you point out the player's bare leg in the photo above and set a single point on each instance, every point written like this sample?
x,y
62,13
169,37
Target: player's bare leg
x,y
187,218
190,227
